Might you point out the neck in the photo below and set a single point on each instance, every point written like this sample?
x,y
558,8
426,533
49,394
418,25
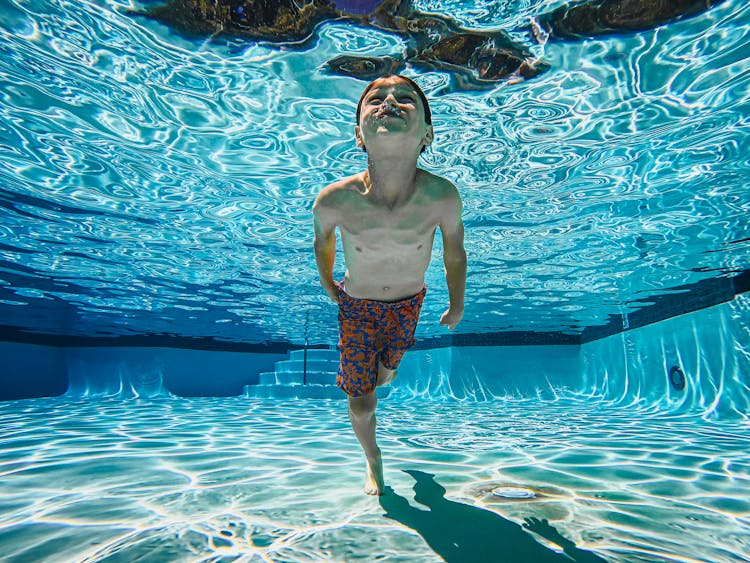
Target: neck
x,y
392,181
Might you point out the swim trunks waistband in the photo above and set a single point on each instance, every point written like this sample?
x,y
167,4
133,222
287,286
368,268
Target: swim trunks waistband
x,y
413,298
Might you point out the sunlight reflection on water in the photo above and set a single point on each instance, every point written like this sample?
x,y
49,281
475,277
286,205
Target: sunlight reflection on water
x,y
140,159
282,480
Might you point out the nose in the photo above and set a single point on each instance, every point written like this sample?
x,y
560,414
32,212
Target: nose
x,y
390,99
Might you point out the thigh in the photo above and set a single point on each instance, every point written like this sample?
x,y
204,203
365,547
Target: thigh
x,y
358,371
391,357
400,328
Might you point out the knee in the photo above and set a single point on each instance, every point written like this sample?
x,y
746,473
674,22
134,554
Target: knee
x,y
362,407
385,375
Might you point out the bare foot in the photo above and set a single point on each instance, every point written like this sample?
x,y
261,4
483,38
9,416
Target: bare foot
x,y
374,483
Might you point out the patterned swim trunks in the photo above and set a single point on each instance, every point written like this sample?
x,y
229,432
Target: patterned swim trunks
x,y
372,332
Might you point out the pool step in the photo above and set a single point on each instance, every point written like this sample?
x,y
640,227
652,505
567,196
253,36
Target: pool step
x,y
294,391
296,378
312,365
327,354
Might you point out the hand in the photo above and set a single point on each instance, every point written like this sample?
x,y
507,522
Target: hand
x,y
540,526
544,529
332,290
451,318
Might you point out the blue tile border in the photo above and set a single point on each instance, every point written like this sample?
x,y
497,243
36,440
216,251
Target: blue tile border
x,y
679,301
13,334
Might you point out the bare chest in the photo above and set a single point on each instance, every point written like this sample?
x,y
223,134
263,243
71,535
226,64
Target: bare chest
x,y
374,227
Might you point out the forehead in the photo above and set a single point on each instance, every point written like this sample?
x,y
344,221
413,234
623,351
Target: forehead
x,y
395,84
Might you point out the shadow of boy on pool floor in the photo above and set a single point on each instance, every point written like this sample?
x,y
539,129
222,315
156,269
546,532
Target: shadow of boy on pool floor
x,y
459,532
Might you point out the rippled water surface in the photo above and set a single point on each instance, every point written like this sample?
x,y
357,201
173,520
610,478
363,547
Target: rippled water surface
x,y
151,183
233,479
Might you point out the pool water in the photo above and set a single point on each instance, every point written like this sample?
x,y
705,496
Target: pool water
x,y
233,479
153,184
156,191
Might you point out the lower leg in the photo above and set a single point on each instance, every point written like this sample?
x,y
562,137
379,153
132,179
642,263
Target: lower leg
x,y
362,417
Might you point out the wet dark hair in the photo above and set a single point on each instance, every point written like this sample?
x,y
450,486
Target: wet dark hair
x,y
410,82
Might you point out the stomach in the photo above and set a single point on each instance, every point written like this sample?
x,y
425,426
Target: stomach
x,y
383,283
387,270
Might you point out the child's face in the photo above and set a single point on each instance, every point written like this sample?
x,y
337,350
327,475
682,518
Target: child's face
x,y
392,106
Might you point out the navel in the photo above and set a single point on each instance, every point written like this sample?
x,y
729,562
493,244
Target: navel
x,y
419,247
358,249
386,288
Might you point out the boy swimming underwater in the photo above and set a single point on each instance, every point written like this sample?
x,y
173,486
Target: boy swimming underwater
x,y
387,216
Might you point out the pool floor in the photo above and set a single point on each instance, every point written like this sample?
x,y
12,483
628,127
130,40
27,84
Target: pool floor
x,y
233,479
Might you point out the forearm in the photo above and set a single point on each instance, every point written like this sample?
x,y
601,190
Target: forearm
x,y
324,261
455,276
325,254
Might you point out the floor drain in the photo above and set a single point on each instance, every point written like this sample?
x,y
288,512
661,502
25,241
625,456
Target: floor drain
x,y
513,492
677,378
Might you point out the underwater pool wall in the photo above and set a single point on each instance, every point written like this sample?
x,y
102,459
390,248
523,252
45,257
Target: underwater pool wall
x,y
30,370
481,373
708,349
149,372
711,348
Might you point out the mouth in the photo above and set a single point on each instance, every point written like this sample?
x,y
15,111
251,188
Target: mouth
x,y
384,114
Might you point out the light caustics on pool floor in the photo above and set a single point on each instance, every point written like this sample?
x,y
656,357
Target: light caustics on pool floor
x,y
231,479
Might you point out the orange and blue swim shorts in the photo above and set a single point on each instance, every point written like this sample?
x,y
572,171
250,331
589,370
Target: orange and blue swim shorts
x,y
371,332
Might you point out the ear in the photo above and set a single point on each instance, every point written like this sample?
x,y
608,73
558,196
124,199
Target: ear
x,y
428,136
358,137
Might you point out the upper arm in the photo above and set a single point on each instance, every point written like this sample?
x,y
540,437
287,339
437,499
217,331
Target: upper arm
x,y
451,224
324,221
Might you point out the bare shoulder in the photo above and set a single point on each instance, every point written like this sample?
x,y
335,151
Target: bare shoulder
x,y
335,195
439,189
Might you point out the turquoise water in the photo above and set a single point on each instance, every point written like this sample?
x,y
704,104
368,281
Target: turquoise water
x,y
156,184
236,480
152,184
